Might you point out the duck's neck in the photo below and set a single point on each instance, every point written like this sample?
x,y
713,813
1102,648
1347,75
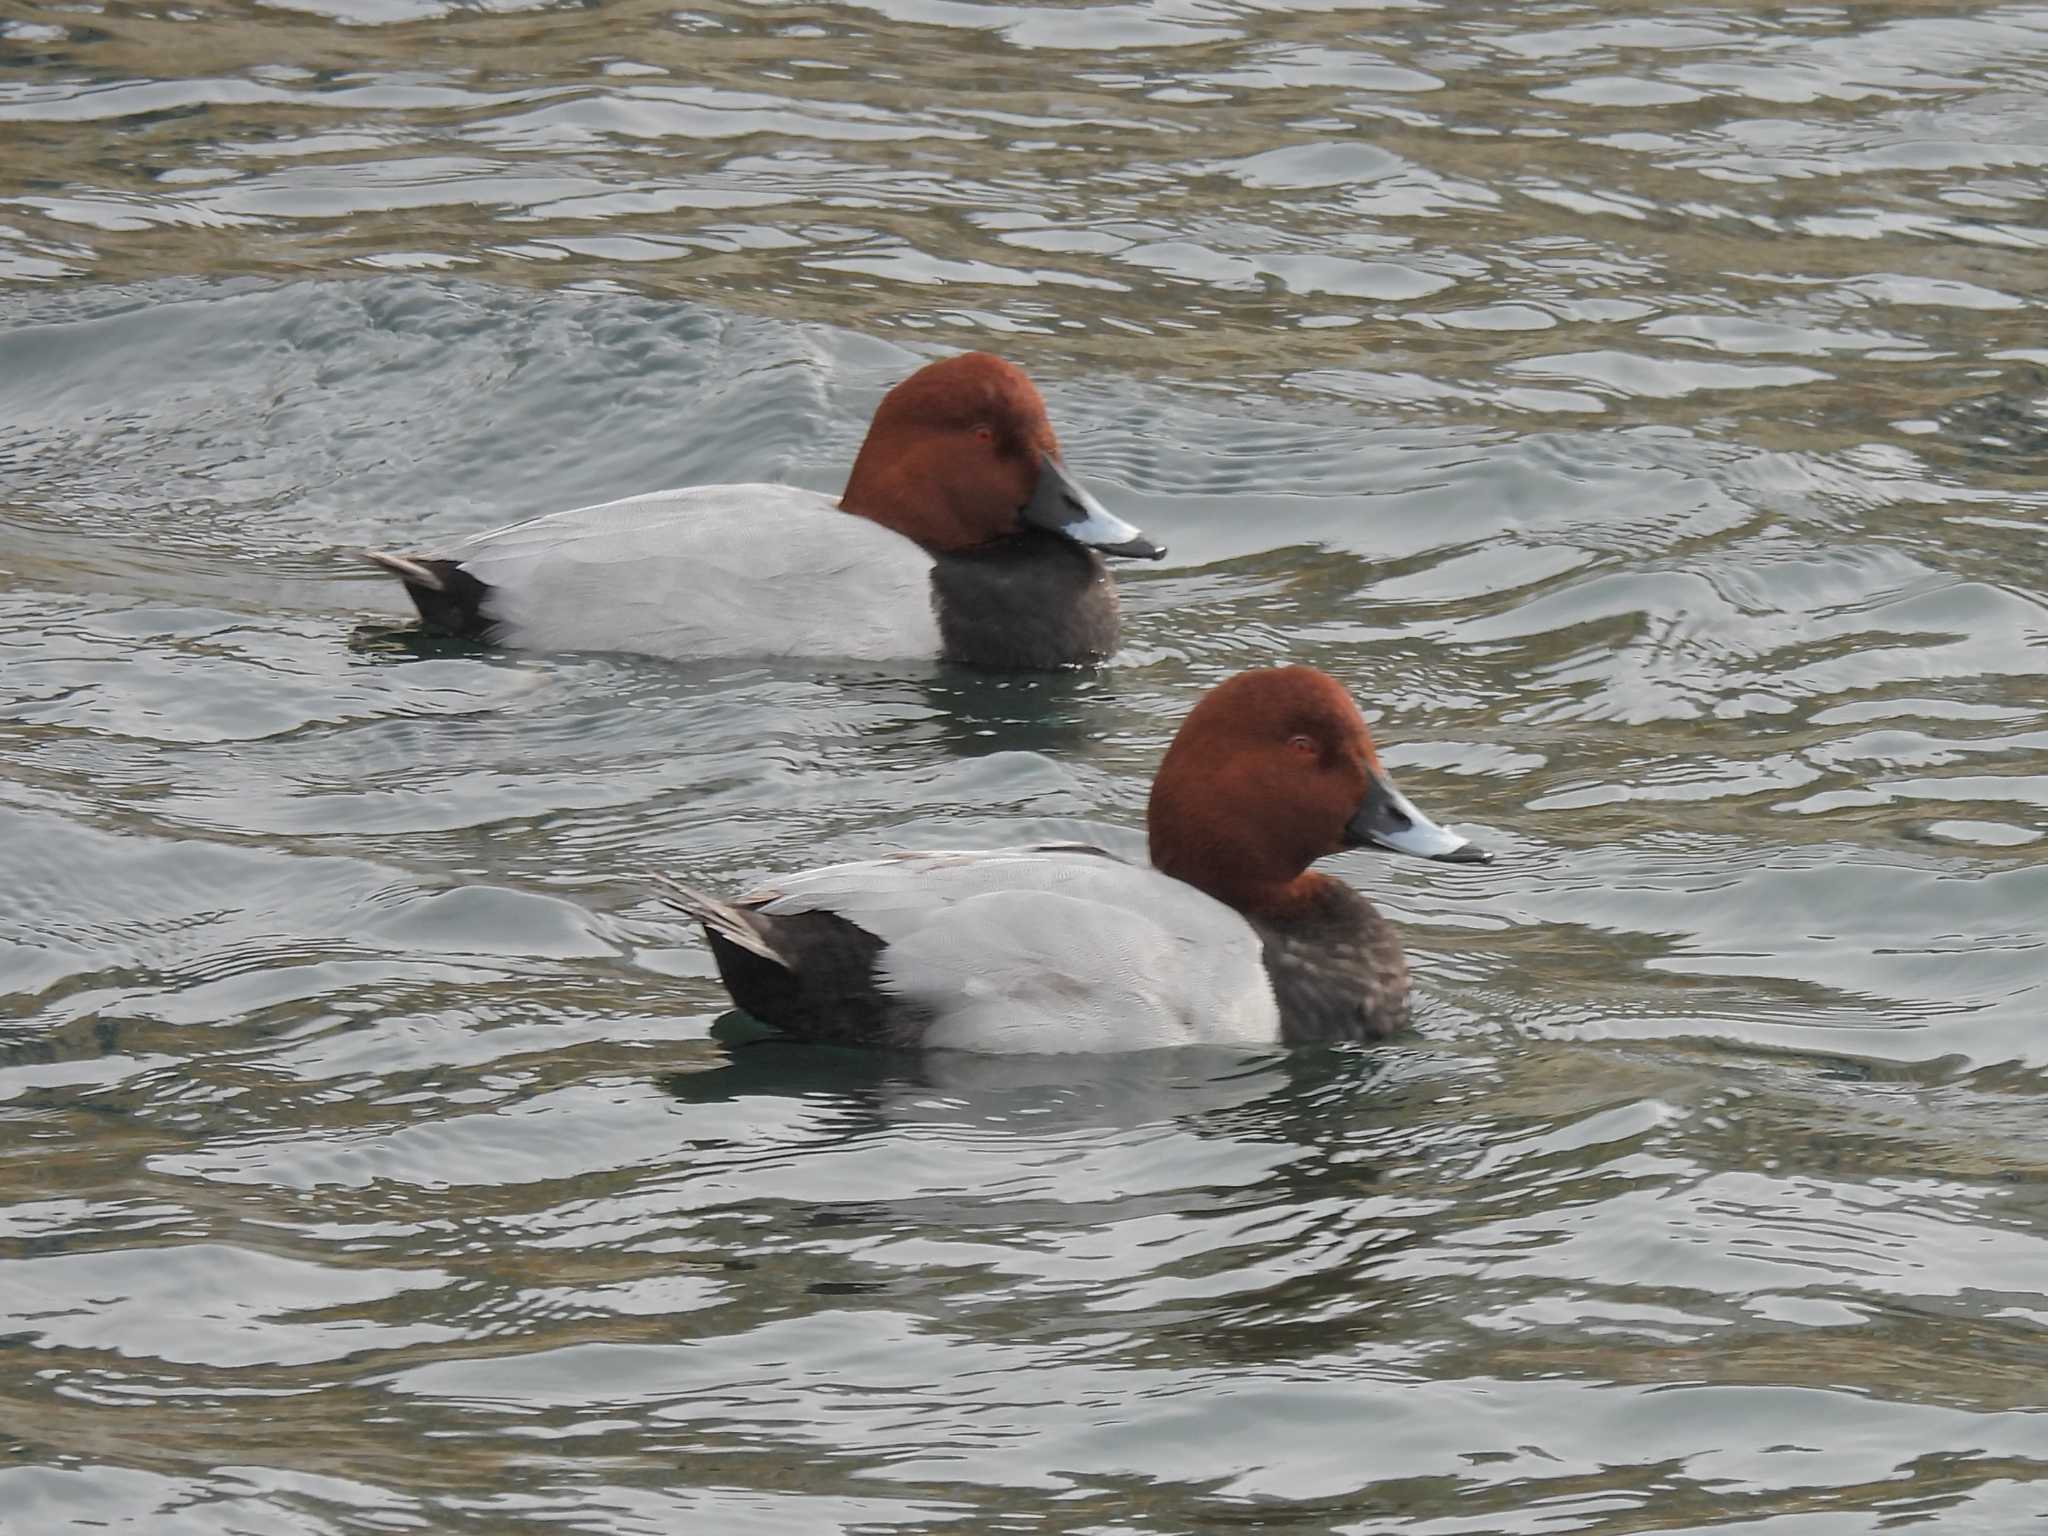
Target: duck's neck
x,y
1033,600
1336,969
1269,899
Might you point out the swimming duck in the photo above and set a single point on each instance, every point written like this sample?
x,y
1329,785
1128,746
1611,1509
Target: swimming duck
x,y
1229,938
960,536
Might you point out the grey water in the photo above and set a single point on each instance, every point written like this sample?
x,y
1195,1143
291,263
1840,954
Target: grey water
x,y
1641,408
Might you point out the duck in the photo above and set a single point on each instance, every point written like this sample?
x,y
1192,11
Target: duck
x,y
1227,938
961,536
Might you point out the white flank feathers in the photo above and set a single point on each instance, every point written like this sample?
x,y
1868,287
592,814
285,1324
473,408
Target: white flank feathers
x,y
709,571
1049,950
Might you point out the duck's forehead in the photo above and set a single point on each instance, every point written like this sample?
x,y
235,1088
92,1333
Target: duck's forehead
x,y
1316,700
1284,701
1016,395
976,384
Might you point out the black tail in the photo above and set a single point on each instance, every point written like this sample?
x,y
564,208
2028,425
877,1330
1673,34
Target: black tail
x,y
810,975
450,600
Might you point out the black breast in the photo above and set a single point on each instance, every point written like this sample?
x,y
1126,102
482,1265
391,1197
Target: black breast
x,y
1033,601
1337,970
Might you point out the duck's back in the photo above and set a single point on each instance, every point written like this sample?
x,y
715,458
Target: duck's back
x,y
709,571
1047,949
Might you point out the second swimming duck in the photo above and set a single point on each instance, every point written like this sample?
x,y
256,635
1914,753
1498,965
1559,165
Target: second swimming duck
x,y
1229,938
960,536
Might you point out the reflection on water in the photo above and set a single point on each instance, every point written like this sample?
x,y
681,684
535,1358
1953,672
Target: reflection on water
x,y
1640,409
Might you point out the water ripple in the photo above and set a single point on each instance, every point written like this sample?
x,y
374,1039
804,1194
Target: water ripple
x,y
1639,408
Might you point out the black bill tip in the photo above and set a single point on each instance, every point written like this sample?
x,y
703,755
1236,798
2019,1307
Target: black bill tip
x,y
1135,549
1469,854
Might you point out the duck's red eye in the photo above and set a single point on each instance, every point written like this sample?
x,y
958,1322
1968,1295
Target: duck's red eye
x,y
1303,746
985,434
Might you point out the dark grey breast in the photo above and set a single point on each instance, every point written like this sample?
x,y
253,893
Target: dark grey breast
x,y
1033,600
1337,970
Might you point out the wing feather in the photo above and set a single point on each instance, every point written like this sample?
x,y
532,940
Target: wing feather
x,y
1049,949
709,571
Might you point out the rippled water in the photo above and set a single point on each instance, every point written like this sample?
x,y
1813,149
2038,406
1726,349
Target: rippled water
x,y
1643,408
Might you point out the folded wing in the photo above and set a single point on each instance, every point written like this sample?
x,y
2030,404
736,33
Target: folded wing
x,y
1048,949
709,571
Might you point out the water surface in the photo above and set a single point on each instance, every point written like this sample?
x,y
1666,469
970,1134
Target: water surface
x,y
1641,408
